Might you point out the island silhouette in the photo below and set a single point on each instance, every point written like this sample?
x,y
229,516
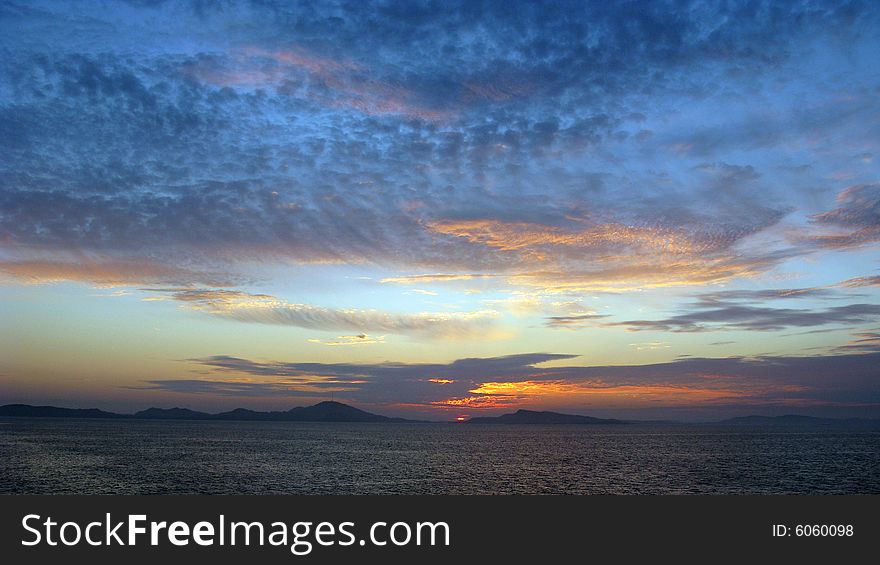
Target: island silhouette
x,y
331,411
327,411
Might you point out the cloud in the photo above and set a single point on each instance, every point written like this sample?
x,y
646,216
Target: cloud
x,y
859,282
649,272
867,342
609,254
743,310
266,309
755,318
108,272
573,321
651,345
856,218
457,139
720,297
360,339
529,239
422,292
517,380
330,82
601,257
459,369
312,387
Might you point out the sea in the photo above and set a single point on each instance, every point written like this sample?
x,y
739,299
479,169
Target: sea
x,y
70,456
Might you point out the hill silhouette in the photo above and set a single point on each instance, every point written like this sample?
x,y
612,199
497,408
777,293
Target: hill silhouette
x,y
327,411
26,410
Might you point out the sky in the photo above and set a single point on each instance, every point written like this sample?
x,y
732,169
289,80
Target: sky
x,y
442,209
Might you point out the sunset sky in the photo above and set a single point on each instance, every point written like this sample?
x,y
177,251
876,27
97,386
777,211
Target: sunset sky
x,y
442,209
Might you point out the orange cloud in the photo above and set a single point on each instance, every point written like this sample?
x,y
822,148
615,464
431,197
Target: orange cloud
x,y
105,273
527,236
641,273
602,257
478,402
616,274
495,394
549,388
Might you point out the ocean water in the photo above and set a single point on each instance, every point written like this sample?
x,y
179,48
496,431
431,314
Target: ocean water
x,y
49,456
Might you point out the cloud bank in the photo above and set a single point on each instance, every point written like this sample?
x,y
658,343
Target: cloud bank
x,y
498,383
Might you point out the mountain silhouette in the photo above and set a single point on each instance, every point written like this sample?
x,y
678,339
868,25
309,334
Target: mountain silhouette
x,y
322,412
334,412
533,417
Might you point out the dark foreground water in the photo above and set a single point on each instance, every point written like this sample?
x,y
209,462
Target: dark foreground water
x,y
139,457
